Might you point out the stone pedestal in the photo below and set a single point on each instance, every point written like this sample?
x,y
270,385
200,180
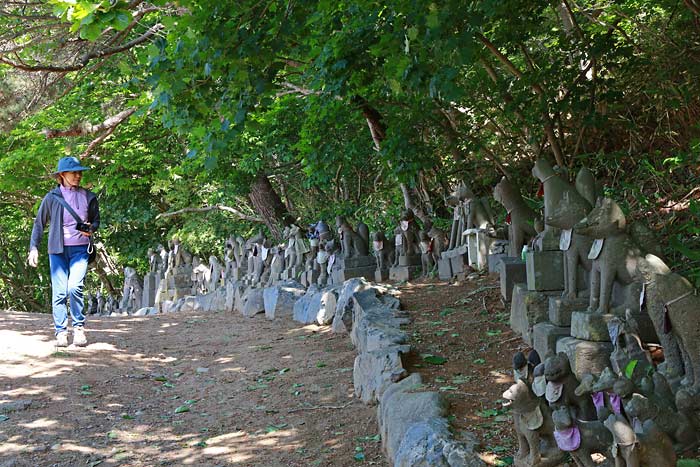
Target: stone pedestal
x,y
590,326
478,247
444,269
494,261
546,335
357,266
585,356
560,309
409,267
381,275
545,270
149,290
527,309
512,271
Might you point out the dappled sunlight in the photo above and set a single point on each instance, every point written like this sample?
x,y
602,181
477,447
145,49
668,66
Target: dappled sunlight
x,y
149,392
500,377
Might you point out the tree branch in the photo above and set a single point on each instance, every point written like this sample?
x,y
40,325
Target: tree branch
x,y
220,207
88,128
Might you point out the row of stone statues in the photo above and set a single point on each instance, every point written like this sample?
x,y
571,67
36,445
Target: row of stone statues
x,y
593,293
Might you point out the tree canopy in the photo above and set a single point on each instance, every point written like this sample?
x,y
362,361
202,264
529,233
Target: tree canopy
x,y
207,118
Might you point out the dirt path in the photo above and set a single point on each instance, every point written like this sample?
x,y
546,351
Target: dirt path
x,y
209,389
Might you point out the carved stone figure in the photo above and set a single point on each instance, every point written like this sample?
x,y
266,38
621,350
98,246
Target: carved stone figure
x,y
649,447
383,251
409,231
214,276
674,308
426,257
438,240
300,246
580,438
352,243
322,231
153,261
561,388
277,264
181,257
132,292
533,428
575,246
399,247
614,253
198,276
677,425
100,303
111,305
469,212
519,216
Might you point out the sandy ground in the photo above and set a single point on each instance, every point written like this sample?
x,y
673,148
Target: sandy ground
x,y
213,389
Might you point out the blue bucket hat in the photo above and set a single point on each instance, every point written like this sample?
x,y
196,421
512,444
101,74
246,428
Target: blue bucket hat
x,y
69,164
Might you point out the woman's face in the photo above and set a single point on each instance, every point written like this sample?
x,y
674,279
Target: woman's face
x,y
71,179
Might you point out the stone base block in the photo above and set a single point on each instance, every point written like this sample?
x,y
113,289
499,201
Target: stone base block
x,y
585,356
381,275
459,264
560,309
358,262
404,273
494,261
545,270
444,269
409,260
590,326
512,271
545,337
527,309
341,275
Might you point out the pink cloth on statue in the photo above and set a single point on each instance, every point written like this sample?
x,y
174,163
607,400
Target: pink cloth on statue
x,y
568,439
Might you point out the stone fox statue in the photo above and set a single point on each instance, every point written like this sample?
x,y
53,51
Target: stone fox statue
x,y
352,243
573,207
519,217
674,308
533,426
614,254
383,250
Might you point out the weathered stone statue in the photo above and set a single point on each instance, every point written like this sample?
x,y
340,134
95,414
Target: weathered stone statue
x,y
580,438
674,308
300,246
410,232
555,188
100,303
426,257
520,217
181,257
575,246
614,254
322,231
214,274
132,292
561,388
469,212
111,305
533,426
198,276
277,265
438,240
383,251
352,243
153,261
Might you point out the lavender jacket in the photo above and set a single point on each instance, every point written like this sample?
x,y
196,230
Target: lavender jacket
x,y
51,212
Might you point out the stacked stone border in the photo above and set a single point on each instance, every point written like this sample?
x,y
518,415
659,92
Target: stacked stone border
x,y
412,422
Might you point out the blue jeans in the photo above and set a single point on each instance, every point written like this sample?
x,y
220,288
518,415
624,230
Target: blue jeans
x,y
67,276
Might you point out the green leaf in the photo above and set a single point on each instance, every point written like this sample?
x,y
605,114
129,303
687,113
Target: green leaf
x,y
4,418
434,359
182,409
688,463
359,456
126,416
85,387
320,365
273,428
91,31
160,378
122,20
479,361
283,371
629,369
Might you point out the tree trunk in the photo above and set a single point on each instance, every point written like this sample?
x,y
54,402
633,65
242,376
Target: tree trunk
x,y
269,205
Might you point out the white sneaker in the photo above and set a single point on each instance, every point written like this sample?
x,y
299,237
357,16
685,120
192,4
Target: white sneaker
x,y
62,339
79,338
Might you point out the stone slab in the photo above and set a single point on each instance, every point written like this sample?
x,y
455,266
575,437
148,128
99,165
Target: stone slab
x,y
560,309
444,269
545,270
494,261
409,260
512,271
357,262
404,273
459,264
341,275
527,308
590,326
545,336
381,275
585,356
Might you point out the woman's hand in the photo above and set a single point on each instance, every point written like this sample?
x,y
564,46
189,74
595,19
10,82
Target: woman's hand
x,y
33,258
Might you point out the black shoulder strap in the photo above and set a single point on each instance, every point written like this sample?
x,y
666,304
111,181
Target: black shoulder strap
x,y
65,204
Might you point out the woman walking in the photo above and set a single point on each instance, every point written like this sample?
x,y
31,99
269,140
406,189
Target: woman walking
x,y
69,241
